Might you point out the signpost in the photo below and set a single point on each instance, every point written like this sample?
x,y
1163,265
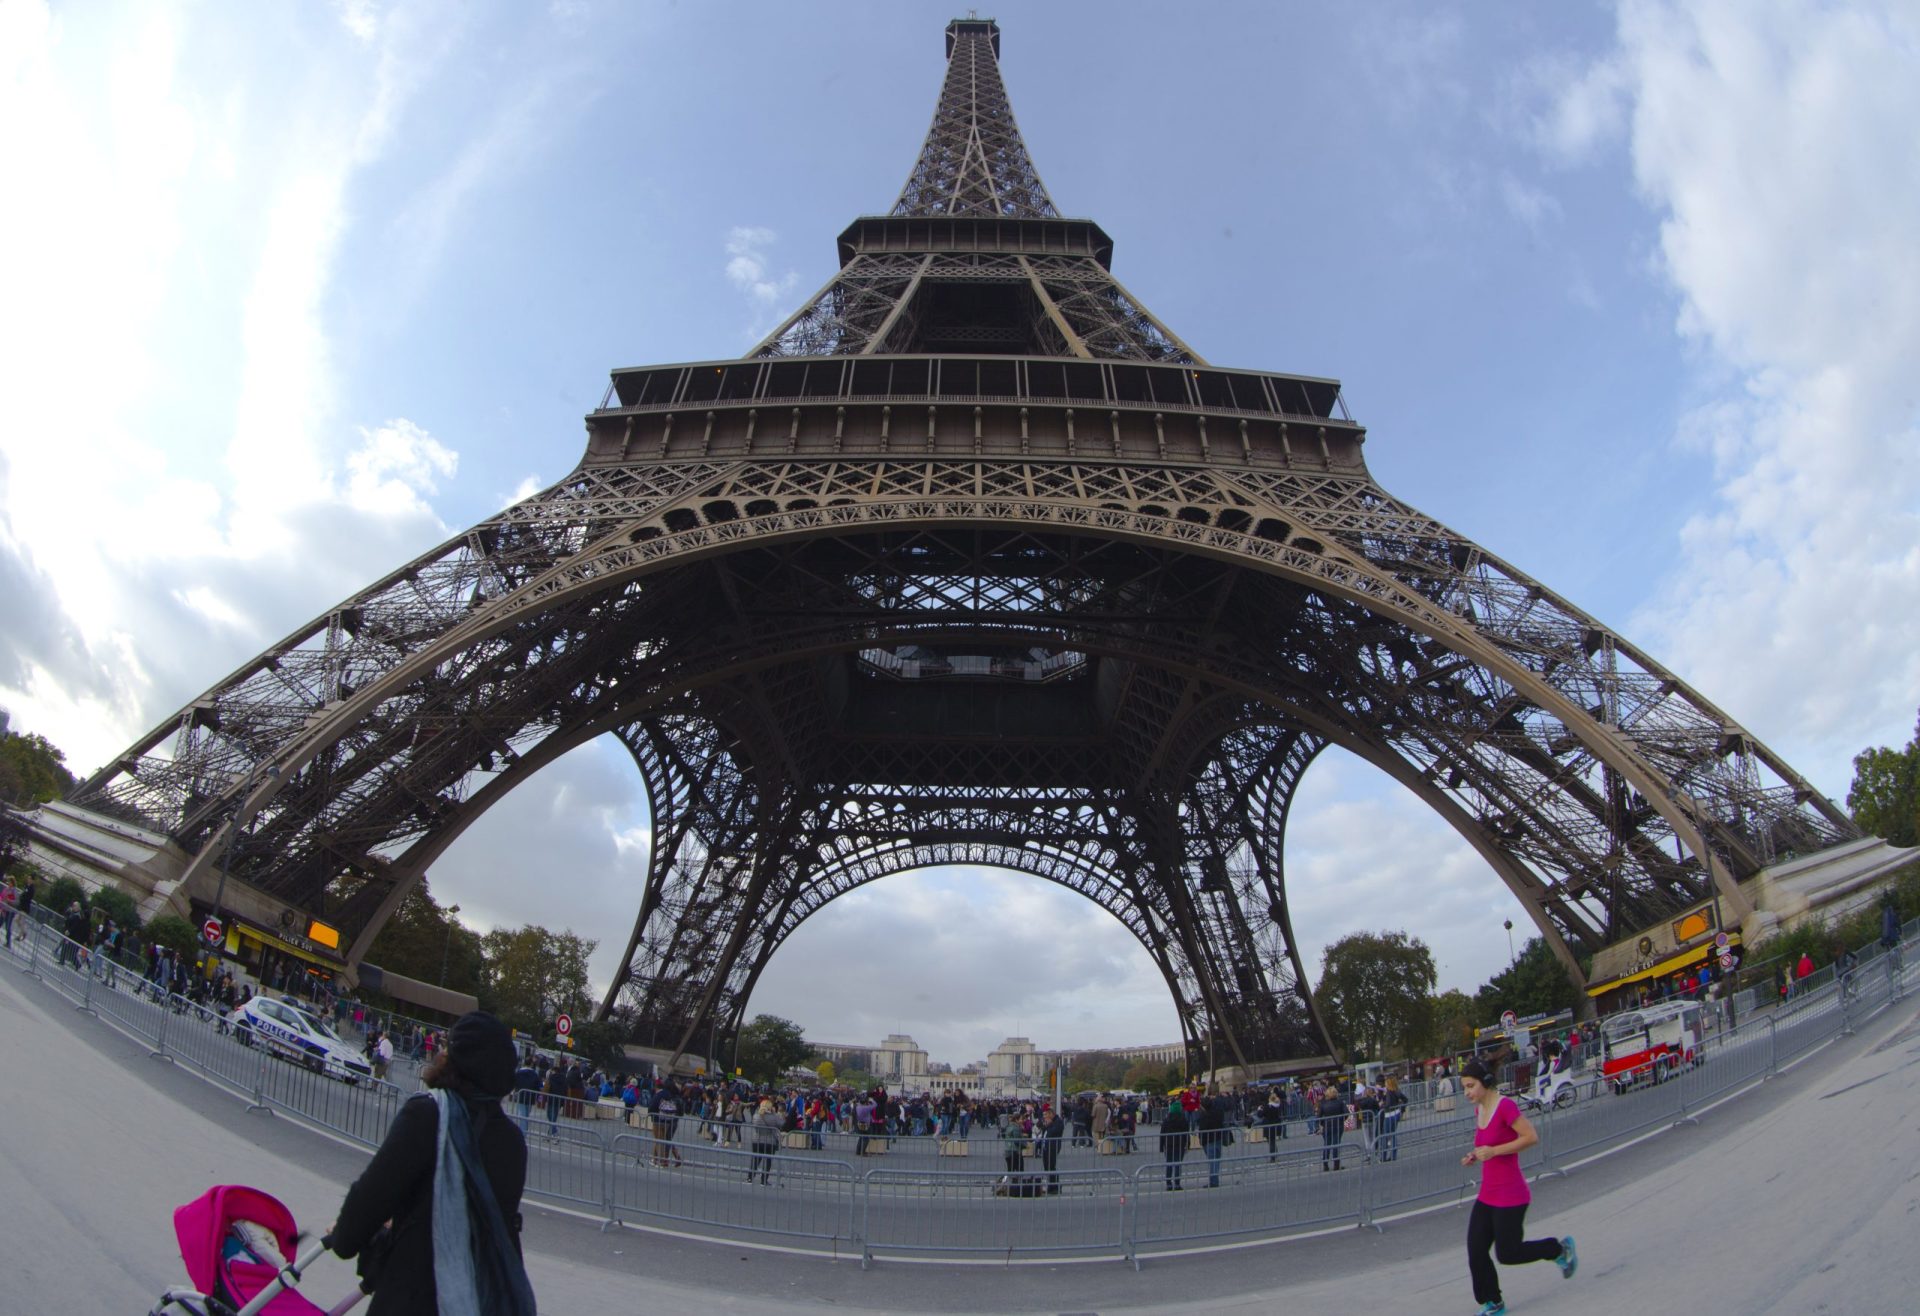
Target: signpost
x,y
563,1030
211,931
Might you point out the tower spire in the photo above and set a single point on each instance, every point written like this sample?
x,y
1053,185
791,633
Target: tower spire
x,y
973,162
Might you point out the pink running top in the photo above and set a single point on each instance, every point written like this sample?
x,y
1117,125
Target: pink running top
x,y
1501,1183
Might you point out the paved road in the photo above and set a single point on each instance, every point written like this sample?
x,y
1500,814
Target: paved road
x,y
1800,1197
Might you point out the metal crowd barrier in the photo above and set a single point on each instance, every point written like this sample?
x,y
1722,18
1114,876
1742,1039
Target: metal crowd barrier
x,y
920,1206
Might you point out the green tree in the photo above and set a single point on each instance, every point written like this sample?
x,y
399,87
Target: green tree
x,y
117,905
1151,1076
826,1072
533,976
1374,990
598,1041
61,892
1454,1016
173,931
1095,1071
769,1046
1885,796
1535,983
422,937
32,771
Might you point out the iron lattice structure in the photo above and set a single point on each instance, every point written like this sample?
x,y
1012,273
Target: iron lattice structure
x,y
972,561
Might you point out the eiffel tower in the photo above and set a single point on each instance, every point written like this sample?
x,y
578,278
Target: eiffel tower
x,y
972,561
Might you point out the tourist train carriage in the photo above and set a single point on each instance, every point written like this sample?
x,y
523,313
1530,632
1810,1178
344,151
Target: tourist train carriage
x,y
1650,1043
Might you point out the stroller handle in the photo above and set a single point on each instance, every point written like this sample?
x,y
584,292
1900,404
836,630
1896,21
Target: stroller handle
x,y
289,1278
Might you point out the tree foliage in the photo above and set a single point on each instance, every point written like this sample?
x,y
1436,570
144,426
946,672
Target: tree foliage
x,y
1885,796
769,1046
1151,1076
533,976
1095,1071
1535,983
826,1071
1453,1017
1373,993
422,937
117,905
32,770
172,931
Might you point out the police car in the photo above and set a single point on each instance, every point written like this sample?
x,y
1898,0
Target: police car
x,y
288,1031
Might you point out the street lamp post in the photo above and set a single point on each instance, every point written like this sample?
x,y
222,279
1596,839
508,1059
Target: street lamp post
x,y
270,771
1511,957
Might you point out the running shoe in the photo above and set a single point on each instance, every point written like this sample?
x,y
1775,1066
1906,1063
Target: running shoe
x,y
1569,1259
1494,1308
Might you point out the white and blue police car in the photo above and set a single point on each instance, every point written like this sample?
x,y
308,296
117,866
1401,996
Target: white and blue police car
x,y
287,1030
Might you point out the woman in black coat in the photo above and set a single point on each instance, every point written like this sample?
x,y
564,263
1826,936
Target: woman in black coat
x,y
476,1067
1333,1111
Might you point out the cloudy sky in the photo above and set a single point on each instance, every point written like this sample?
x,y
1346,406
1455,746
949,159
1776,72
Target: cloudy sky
x,y
1629,293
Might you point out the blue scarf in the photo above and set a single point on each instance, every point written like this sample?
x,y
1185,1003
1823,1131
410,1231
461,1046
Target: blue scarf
x,y
483,1275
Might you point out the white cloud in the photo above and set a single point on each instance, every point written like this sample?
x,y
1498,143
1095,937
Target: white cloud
x,y
187,264
749,270
1531,205
395,468
1775,143
1585,105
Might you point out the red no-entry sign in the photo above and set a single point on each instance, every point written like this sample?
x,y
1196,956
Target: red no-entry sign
x,y
212,930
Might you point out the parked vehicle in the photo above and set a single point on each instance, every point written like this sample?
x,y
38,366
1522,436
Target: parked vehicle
x,y
1649,1044
290,1032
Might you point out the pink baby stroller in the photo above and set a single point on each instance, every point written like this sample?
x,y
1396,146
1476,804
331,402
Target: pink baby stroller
x,y
239,1245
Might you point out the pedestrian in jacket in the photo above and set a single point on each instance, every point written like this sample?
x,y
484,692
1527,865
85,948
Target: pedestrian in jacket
x,y
450,1147
1049,1136
1173,1144
1332,1112
1211,1125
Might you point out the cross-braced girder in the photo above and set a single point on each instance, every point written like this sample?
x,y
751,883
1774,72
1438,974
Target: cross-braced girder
x,y
971,561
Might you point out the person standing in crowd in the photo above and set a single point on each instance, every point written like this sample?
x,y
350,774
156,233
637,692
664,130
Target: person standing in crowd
x,y
9,898
1102,1119
526,1082
1211,1125
447,1180
382,1055
1173,1143
1496,1227
1273,1122
1049,1135
766,1139
666,1122
1332,1112
76,930
556,1093
1013,1142
1393,1105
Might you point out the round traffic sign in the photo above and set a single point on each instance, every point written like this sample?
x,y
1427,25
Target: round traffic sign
x,y
1726,959
1507,1019
211,931
1723,941
563,1026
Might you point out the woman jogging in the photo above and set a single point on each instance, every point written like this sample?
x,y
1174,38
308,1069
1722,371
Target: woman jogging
x,y
1500,1134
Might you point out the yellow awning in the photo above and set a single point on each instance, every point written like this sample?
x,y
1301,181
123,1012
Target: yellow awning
x,y
1674,965
267,938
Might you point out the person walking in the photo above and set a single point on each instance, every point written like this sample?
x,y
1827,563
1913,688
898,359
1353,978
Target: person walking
x,y
1500,1134
666,1120
445,1186
1102,1121
9,895
1173,1144
526,1082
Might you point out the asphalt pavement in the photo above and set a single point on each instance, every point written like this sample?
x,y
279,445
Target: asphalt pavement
x,y
1798,1196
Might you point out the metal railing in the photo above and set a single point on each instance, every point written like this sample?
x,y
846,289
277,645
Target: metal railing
x,y
926,1205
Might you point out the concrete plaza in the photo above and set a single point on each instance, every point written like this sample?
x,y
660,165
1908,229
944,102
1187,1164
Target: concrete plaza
x,y
1800,1196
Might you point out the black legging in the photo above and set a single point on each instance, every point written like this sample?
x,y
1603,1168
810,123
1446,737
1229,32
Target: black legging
x,y
761,1161
1497,1230
1333,1132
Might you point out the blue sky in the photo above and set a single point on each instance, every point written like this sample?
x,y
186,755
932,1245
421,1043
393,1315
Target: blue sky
x,y
1626,292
